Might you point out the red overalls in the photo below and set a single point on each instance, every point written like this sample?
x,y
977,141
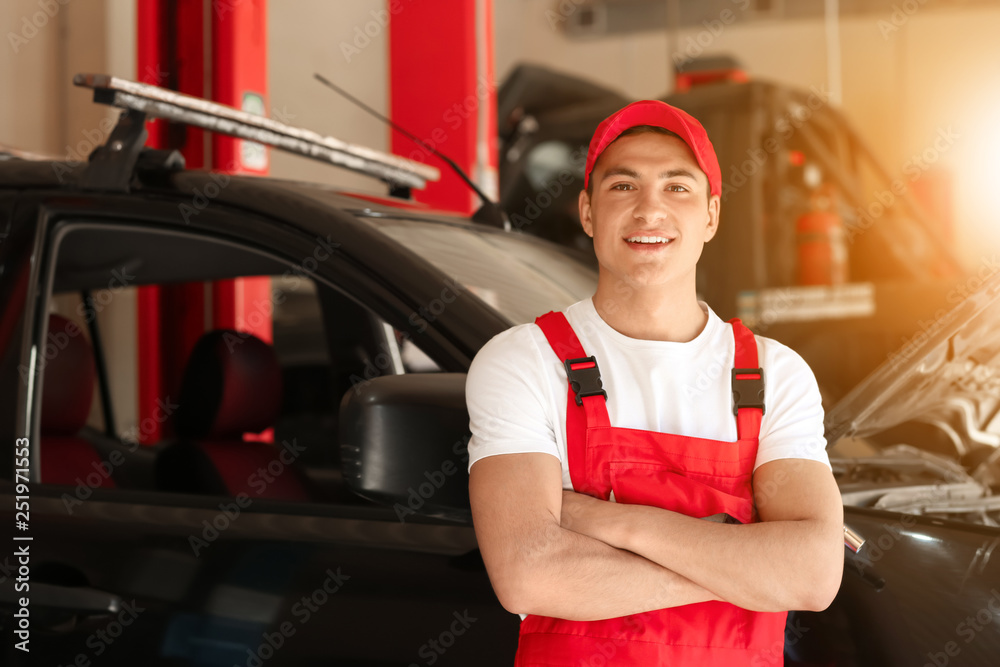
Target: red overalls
x,y
694,476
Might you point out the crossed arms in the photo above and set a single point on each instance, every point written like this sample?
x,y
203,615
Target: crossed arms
x,y
567,555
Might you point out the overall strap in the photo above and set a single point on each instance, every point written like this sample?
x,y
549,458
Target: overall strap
x,y
586,400
748,383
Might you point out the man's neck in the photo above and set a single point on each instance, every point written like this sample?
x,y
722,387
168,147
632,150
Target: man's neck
x,y
652,313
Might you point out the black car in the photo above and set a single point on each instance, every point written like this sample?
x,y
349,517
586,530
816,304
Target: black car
x,y
346,538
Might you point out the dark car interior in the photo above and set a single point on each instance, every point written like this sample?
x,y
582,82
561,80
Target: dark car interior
x,y
248,410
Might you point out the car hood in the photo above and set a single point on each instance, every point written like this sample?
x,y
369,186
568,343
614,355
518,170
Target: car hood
x,y
953,356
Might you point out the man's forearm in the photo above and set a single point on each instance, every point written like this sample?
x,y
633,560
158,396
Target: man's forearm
x,y
537,566
792,559
576,577
768,566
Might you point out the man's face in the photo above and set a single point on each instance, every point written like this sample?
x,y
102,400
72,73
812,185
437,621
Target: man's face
x,y
649,212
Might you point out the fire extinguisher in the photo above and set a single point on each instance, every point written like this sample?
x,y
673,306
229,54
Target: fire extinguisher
x,y
822,241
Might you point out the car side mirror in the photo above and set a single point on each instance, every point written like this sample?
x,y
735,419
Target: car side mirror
x,y
404,443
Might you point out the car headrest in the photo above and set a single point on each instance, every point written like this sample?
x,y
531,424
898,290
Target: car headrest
x,y
68,378
231,385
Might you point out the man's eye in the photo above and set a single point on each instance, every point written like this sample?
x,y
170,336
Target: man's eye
x,y
622,186
677,188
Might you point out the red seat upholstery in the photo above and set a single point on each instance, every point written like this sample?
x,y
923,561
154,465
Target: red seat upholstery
x,y
231,386
67,391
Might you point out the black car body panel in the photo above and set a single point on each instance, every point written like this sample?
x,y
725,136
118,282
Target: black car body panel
x,y
920,590
201,580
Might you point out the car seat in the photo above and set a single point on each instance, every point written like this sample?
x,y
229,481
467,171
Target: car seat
x,y
67,391
231,385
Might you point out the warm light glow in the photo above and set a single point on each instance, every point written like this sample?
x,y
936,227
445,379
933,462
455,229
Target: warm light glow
x,y
976,166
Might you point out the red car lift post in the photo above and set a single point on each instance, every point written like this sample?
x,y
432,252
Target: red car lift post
x,y
239,79
171,53
442,89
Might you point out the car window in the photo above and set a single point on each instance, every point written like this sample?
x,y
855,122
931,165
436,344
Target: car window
x,y
317,345
519,275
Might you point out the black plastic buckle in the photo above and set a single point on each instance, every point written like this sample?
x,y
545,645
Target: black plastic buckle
x,y
748,392
585,379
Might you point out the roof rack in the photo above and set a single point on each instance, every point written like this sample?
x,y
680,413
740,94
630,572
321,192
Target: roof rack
x,y
9,152
168,104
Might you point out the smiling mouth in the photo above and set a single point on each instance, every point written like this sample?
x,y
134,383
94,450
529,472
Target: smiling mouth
x,y
648,240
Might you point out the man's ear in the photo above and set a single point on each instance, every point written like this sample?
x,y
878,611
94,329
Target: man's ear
x,y
586,219
714,205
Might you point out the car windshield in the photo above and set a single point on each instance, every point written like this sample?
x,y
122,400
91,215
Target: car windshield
x,y
521,276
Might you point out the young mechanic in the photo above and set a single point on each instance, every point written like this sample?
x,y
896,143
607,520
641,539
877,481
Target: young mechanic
x,y
637,496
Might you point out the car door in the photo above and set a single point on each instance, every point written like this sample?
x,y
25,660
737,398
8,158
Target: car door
x,y
168,573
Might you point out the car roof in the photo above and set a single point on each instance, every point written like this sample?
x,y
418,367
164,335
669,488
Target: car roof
x,y
65,176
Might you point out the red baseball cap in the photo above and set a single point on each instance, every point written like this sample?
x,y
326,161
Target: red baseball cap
x,y
657,114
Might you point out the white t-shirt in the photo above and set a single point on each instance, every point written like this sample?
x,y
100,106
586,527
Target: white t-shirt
x,y
516,390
